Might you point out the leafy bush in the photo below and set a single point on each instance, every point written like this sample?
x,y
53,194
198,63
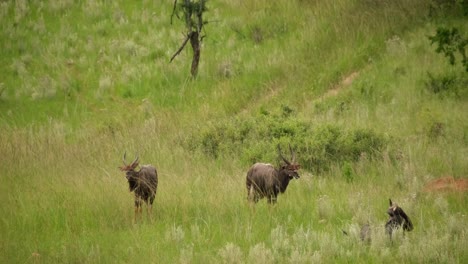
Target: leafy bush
x,y
255,139
447,85
440,83
330,144
450,42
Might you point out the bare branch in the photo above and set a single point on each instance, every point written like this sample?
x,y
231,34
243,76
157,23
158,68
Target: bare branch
x,y
200,17
188,15
181,48
173,10
212,21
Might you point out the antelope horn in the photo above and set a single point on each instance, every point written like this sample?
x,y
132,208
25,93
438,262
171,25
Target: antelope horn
x,y
282,157
136,159
293,154
391,203
125,154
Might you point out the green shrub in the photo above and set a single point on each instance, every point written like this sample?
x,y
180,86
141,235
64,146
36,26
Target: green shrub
x,y
447,85
451,43
255,139
329,144
438,84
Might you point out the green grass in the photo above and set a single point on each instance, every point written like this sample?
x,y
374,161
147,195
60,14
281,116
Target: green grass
x,y
81,83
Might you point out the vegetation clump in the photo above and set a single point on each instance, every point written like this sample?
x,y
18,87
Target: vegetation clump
x,y
319,146
447,85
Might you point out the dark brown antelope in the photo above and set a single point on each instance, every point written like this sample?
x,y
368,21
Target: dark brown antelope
x,y
265,180
142,183
397,218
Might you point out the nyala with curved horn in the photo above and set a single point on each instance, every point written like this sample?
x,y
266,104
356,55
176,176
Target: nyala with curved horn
x,y
143,183
397,218
264,180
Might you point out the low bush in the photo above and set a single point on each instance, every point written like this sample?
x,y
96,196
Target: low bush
x,y
256,138
447,85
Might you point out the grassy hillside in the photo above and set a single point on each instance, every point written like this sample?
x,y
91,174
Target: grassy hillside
x,y
354,86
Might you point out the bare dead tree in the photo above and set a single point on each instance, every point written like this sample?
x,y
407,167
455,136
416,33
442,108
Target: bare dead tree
x,y
191,11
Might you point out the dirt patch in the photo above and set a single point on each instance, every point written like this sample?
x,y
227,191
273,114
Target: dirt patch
x,y
347,81
447,184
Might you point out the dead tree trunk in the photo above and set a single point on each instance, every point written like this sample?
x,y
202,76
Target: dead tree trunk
x,y
195,42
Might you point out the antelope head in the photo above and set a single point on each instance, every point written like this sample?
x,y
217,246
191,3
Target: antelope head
x,y
129,168
291,167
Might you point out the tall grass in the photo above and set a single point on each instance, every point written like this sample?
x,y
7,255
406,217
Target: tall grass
x,y
81,83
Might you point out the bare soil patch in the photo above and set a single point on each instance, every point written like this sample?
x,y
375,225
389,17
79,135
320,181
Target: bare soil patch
x,y
347,81
447,184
